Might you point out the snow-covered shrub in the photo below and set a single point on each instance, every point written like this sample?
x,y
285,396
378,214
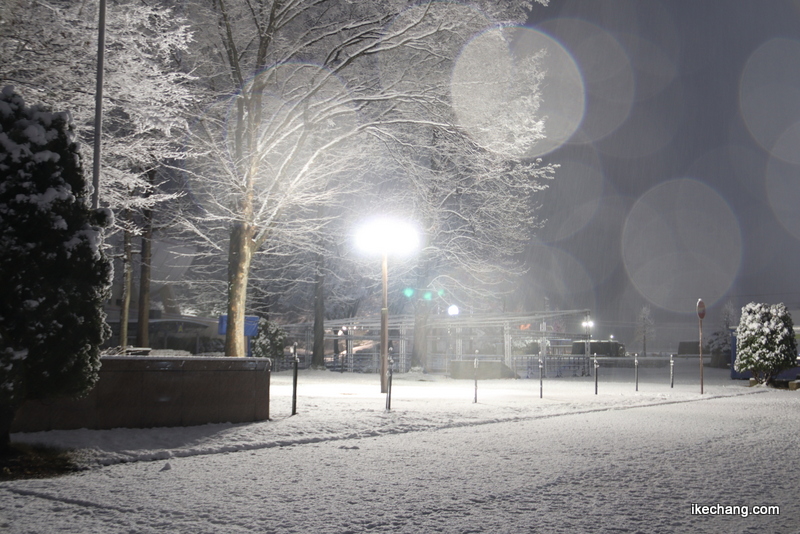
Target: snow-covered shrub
x,y
719,342
765,342
270,340
719,345
54,272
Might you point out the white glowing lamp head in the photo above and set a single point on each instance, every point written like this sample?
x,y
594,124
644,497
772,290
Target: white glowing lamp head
x,y
387,236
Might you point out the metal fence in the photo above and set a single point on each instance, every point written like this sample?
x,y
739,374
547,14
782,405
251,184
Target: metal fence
x,y
353,345
527,366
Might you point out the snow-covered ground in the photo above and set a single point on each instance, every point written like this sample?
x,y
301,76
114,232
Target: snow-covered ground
x,y
572,461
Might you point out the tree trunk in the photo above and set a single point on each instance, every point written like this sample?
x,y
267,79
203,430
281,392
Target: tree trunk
x,y
419,349
644,342
422,311
143,325
7,413
127,278
167,294
240,255
318,359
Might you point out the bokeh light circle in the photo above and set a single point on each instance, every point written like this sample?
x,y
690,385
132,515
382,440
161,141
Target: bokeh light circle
x,y
571,201
681,241
563,95
606,72
783,192
650,127
769,92
654,69
558,276
494,94
405,64
732,166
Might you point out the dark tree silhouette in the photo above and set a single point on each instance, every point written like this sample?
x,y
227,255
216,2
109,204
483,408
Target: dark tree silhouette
x,y
54,270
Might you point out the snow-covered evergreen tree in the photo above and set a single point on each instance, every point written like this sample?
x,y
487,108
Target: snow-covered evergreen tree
x,y
49,50
54,272
719,343
270,340
765,342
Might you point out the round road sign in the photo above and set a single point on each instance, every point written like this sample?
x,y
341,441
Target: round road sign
x,y
701,308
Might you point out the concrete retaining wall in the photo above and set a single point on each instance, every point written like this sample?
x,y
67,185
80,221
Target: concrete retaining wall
x,y
143,392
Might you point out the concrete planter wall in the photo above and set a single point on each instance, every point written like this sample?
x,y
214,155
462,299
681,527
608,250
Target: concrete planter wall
x,y
487,369
143,392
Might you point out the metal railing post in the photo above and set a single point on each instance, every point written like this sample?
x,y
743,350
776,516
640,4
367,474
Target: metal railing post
x,y
596,367
294,380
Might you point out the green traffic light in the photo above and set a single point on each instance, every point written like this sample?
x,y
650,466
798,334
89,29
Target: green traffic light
x,y
428,295
408,292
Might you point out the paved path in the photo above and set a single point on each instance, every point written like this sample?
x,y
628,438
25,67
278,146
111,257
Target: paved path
x,y
637,469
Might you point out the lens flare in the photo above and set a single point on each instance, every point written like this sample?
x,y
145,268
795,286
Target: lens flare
x,y
680,240
572,200
557,275
769,95
783,192
606,72
563,95
494,102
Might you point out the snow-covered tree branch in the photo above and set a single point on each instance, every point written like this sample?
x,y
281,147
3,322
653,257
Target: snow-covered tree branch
x,y
313,102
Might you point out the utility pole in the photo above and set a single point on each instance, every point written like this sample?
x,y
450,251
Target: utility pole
x,y
98,103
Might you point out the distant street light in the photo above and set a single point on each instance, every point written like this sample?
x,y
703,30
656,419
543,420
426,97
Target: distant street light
x,y
452,311
588,324
386,236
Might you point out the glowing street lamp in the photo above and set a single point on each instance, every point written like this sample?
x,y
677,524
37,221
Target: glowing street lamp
x,y
587,324
452,311
386,236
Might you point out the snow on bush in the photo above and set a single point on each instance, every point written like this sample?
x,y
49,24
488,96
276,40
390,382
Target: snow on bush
x,y
270,340
765,341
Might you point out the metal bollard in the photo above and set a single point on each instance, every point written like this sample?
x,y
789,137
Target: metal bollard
x,y
268,370
476,382
389,385
596,367
636,370
671,371
294,380
541,375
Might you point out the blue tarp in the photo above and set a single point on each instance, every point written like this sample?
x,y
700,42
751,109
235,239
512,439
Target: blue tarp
x,y
250,325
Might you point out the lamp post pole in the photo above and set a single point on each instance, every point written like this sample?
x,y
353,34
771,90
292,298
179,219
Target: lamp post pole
x,y
588,324
384,236
701,313
98,104
385,324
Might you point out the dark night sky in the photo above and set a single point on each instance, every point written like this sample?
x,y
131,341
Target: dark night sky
x,y
682,179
